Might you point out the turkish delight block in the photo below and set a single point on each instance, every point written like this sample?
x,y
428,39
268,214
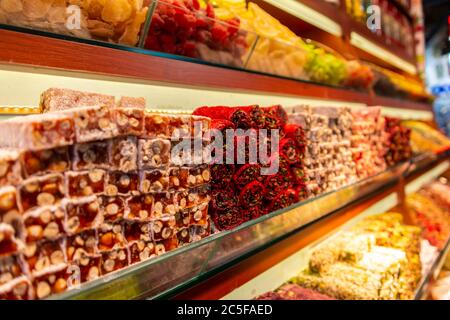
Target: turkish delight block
x,y
56,99
198,232
183,218
164,203
37,132
132,102
153,153
188,177
139,207
114,260
85,183
11,267
122,183
8,242
154,181
192,197
86,268
10,169
188,152
45,161
156,126
163,228
44,223
166,245
199,214
184,236
122,153
134,231
42,255
82,214
141,250
8,204
41,191
91,155
17,289
129,121
82,245
54,280
200,127
112,208
110,237
92,123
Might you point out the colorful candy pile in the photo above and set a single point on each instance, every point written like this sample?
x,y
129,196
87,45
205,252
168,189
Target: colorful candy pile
x,y
95,189
399,147
182,27
240,192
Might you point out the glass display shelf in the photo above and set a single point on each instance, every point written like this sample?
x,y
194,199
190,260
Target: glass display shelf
x,y
184,266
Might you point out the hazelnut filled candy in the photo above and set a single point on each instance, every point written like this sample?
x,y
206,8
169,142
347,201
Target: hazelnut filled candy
x,y
37,132
10,170
141,250
85,183
45,161
56,99
91,155
8,242
114,260
18,289
41,191
43,255
129,120
122,153
153,153
92,123
44,223
132,102
52,281
82,214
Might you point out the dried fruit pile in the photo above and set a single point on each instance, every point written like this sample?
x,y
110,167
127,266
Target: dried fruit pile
x,y
118,21
328,158
89,190
399,148
182,27
240,192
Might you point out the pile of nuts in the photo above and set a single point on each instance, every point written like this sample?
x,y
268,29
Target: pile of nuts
x,y
100,195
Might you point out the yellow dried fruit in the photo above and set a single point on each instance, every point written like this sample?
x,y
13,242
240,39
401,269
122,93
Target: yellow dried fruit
x,y
131,34
36,9
115,11
57,15
11,6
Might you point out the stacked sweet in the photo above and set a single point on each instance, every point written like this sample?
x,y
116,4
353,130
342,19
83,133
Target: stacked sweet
x,y
242,189
368,141
398,141
86,191
430,209
184,28
377,259
328,159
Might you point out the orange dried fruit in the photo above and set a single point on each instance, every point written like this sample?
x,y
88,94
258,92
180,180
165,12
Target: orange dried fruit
x,y
36,9
115,11
11,6
131,34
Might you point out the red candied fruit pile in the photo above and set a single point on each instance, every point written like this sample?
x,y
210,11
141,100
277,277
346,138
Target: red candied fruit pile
x,y
239,191
182,27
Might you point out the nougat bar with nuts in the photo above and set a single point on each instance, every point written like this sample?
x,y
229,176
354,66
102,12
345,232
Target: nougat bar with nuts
x,y
163,228
188,177
110,237
141,250
153,153
122,153
166,245
156,126
41,191
9,208
112,207
81,245
190,152
45,161
10,169
56,99
86,268
37,132
85,183
129,121
122,183
200,231
193,196
82,214
11,267
8,242
139,207
132,102
135,230
92,123
18,289
44,223
91,155
156,180
52,280
114,260
42,255
199,214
